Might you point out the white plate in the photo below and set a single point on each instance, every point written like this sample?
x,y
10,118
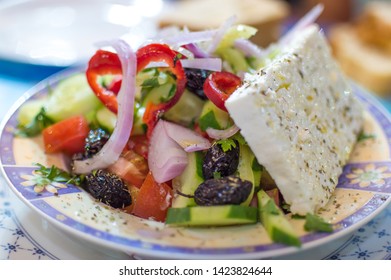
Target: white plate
x,y
363,191
63,32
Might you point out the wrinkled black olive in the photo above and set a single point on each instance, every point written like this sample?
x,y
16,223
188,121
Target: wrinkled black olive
x,y
195,81
218,161
221,191
95,140
108,188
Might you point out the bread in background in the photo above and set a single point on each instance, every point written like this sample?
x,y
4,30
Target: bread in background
x,y
374,25
265,15
364,63
363,47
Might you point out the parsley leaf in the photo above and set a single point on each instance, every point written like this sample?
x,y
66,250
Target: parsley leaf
x,y
229,143
316,223
55,174
363,136
226,144
39,123
151,83
216,175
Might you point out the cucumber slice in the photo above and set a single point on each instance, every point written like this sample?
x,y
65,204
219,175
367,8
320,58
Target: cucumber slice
x,y
235,59
106,119
239,31
71,97
187,110
29,110
188,181
276,224
212,116
248,170
221,215
159,94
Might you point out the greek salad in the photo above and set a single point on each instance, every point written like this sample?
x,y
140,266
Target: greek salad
x,y
146,131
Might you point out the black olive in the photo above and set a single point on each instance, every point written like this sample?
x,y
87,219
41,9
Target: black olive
x,y
221,191
216,161
108,188
95,140
195,81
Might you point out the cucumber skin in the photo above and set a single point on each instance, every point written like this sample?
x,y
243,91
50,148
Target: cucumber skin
x,y
212,116
276,224
29,110
72,96
188,181
221,215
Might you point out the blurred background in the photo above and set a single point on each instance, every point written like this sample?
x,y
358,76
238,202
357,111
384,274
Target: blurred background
x,y
41,37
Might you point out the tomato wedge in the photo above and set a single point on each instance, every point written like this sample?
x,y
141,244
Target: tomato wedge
x,y
131,167
66,136
153,200
219,86
139,144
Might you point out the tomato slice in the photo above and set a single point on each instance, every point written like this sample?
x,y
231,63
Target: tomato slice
x,y
66,136
219,86
131,167
139,144
153,200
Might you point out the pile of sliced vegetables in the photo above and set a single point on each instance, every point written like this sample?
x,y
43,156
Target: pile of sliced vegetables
x,y
163,106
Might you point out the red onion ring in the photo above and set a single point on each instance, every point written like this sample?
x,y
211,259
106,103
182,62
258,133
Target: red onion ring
x,y
222,134
212,64
167,157
188,139
197,51
185,38
220,34
249,48
306,20
111,151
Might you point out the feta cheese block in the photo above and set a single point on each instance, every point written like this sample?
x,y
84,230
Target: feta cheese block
x,y
301,120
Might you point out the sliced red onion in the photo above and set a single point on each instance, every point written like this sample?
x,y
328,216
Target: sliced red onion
x,y
220,34
222,134
197,51
185,38
212,64
188,139
249,48
306,20
111,151
188,54
166,159
169,143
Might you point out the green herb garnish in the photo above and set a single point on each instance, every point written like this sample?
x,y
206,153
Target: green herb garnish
x,y
229,143
35,127
55,174
363,136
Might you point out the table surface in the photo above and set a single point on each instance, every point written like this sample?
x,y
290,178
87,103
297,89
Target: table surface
x,y
24,235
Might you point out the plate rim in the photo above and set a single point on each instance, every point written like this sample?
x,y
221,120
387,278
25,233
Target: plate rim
x,y
202,253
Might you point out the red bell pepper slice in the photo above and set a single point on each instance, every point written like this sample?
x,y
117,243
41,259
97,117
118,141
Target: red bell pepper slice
x,y
104,62
219,86
161,53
